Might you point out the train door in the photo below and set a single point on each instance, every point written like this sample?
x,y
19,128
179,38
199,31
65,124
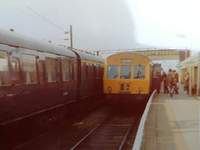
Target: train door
x,y
53,87
68,80
30,80
41,81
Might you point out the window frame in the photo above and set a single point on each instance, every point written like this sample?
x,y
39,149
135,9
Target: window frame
x,y
144,70
70,69
8,69
17,60
108,75
55,69
130,71
36,69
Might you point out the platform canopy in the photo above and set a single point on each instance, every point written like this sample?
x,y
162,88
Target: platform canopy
x,y
166,54
158,54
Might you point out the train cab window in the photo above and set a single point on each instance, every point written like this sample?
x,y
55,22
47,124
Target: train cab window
x,y
29,69
112,72
125,72
51,69
4,71
139,71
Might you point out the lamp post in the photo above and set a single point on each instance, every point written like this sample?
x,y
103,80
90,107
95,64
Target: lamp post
x,y
71,37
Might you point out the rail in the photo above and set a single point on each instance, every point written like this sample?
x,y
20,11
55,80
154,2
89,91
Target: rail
x,y
103,128
84,138
125,138
140,131
34,113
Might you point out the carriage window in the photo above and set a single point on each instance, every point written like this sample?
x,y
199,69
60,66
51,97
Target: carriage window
x,y
41,71
125,72
29,69
139,71
66,70
112,72
51,69
4,72
15,74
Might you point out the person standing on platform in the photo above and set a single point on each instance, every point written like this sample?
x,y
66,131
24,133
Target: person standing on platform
x,y
186,82
175,80
164,79
176,76
169,78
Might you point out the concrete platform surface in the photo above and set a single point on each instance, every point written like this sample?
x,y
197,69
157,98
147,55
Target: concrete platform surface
x,y
172,124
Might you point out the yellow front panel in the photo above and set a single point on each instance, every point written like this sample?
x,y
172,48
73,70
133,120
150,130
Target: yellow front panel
x,y
135,86
130,85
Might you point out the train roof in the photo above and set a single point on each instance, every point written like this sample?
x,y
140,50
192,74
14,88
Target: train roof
x,y
85,56
131,53
19,41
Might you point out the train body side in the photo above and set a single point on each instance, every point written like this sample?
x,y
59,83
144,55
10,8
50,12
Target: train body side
x,y
37,77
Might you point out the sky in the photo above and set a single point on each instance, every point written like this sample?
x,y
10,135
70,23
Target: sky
x,y
107,24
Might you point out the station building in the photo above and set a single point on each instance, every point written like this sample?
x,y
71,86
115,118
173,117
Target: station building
x,y
192,66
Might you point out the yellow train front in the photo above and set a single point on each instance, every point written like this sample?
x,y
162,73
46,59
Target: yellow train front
x,y
127,77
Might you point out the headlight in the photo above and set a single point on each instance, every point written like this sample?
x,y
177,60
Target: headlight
x,y
109,89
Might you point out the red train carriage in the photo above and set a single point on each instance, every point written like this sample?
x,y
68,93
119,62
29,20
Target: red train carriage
x,y
91,84
37,77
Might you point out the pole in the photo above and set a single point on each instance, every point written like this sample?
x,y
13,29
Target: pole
x,y
71,38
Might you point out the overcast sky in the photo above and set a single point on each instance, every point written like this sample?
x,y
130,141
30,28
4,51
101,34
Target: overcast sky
x,y
107,24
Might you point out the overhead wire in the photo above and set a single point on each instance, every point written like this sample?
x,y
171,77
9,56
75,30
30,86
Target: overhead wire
x,y
45,19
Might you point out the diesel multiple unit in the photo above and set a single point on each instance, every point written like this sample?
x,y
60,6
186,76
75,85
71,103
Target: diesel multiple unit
x,y
127,76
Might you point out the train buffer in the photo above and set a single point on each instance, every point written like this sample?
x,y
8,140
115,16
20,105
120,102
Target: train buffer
x,y
170,124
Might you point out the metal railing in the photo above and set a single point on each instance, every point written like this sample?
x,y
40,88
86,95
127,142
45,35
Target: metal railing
x,y
140,132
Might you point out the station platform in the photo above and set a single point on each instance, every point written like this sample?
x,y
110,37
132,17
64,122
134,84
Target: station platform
x,y
172,123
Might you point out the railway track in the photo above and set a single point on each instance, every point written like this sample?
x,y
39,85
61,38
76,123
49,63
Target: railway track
x,y
111,134
103,129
